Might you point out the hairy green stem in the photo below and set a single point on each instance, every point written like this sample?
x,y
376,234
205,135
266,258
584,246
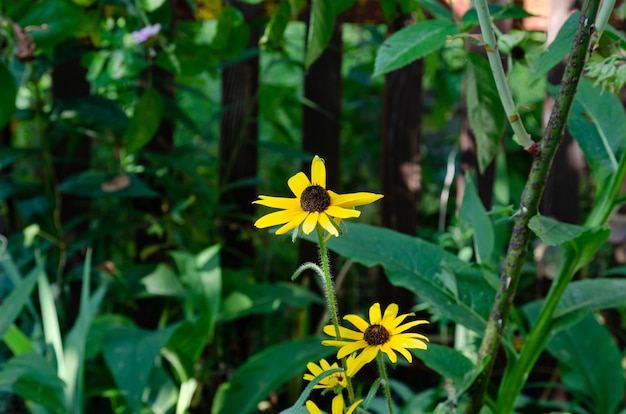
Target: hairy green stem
x,y
332,303
491,47
383,375
531,197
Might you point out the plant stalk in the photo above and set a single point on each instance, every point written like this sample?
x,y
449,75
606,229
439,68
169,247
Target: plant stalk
x,y
529,204
385,378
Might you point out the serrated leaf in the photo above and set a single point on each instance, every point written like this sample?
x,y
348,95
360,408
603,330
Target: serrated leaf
x,y
8,91
145,121
473,213
484,109
590,364
266,372
411,43
554,232
421,267
559,48
598,122
320,29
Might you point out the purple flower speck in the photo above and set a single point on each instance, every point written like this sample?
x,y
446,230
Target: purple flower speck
x,y
140,36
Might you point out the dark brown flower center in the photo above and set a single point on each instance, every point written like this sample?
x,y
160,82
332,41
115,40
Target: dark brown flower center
x,y
376,335
314,198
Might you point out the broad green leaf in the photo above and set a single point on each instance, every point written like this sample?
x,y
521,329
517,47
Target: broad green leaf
x,y
590,364
188,342
321,26
458,290
265,372
275,29
8,91
265,298
163,282
130,354
343,5
559,48
99,184
33,378
151,5
12,305
53,21
580,298
497,12
579,244
145,121
598,122
17,342
232,35
437,9
447,362
484,109
473,213
411,43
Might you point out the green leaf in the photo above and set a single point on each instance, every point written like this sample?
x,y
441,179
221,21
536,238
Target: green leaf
x,y
497,12
151,5
265,372
559,48
598,122
33,378
579,243
590,364
411,43
446,361
53,21
8,92
459,291
163,282
145,121
262,298
99,184
484,109
275,29
17,342
12,305
473,213
232,35
130,354
321,26
438,10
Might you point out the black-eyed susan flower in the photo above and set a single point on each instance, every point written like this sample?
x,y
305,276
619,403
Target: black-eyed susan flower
x,y
384,332
337,406
313,204
335,381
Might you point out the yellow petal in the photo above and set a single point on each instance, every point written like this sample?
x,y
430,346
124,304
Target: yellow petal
x,y
327,225
279,202
318,172
276,218
390,313
310,222
310,405
341,212
350,348
314,368
406,354
375,315
344,332
353,199
353,406
292,223
357,321
337,403
389,351
298,183
406,326
367,355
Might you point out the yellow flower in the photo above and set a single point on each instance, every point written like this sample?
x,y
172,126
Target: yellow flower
x,y
384,332
313,204
336,380
337,406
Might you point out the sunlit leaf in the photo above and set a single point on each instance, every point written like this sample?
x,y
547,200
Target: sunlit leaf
x,y
411,43
321,26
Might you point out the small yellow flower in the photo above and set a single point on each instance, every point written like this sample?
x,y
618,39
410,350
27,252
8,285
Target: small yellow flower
x,y
384,332
336,380
313,204
337,406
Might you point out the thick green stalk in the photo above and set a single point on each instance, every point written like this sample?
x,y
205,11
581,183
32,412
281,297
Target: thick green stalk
x,y
383,375
502,85
531,197
332,302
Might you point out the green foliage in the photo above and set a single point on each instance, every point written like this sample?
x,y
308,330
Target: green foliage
x,y
322,22
145,122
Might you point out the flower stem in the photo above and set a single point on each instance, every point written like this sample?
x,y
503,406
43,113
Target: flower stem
x,y
531,197
383,375
332,302
493,56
